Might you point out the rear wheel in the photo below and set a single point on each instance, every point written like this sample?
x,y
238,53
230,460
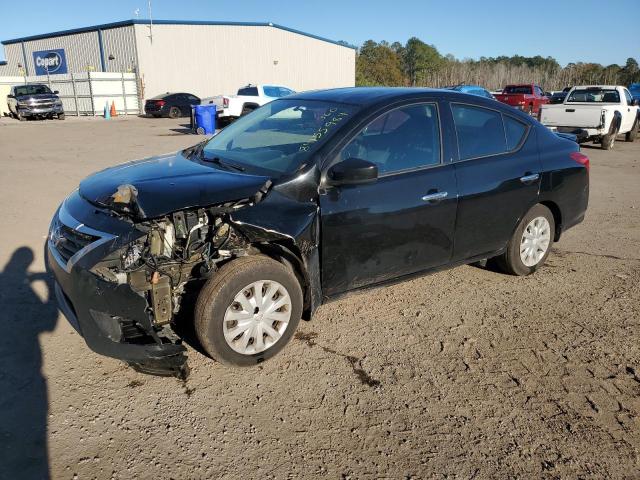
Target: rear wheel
x,y
531,109
633,133
246,109
249,311
530,244
174,112
608,141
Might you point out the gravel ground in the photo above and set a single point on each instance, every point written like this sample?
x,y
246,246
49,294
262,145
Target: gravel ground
x,y
467,373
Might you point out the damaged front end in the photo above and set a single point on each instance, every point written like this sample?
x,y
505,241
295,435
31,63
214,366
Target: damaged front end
x,y
122,290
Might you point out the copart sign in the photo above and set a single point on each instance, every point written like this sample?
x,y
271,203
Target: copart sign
x,y
52,62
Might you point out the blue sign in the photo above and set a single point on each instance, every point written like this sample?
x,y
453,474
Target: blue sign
x,y
53,62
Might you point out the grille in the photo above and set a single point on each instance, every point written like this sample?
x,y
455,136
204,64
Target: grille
x,y
71,241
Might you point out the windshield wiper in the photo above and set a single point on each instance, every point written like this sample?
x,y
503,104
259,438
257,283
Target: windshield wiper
x,y
221,163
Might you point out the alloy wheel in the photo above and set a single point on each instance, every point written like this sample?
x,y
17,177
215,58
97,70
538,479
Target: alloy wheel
x,y
257,317
535,242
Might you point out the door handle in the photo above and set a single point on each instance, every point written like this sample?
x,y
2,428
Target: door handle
x,y
435,197
530,178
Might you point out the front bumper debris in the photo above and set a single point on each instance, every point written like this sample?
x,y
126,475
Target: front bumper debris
x,y
112,318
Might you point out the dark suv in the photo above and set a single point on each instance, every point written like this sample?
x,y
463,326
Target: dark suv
x,y
300,202
34,101
172,105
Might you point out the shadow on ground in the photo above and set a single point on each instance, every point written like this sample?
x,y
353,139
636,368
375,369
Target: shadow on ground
x,y
24,402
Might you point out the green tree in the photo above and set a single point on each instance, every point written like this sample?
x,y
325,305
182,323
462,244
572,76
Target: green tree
x,y
378,64
420,61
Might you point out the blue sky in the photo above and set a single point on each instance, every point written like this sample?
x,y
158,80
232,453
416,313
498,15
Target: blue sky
x,y
602,31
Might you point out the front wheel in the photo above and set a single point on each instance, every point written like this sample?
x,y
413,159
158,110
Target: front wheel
x,y
530,244
249,311
61,116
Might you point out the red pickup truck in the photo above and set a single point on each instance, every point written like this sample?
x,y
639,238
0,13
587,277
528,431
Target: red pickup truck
x,y
527,97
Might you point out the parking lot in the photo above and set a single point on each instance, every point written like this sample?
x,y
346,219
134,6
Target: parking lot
x,y
467,373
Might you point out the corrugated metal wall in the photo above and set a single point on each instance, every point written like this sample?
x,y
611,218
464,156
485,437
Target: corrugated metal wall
x,y
121,43
213,59
13,55
81,49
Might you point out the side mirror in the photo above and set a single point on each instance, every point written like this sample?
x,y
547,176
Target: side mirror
x,y
352,171
11,96
635,102
56,92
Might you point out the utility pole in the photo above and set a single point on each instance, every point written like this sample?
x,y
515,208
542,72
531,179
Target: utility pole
x,y
150,23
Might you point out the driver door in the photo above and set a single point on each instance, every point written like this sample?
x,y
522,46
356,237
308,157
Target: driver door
x,y
401,223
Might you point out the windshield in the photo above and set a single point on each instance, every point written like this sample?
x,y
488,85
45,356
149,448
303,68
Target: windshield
x,y
279,137
594,95
526,89
32,90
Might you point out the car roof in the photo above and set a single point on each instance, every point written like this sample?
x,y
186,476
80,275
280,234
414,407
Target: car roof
x,y
364,95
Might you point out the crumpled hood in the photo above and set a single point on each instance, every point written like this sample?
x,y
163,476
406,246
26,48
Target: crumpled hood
x,y
169,183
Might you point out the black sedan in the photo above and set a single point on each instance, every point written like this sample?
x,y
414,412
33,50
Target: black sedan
x,y
172,105
300,202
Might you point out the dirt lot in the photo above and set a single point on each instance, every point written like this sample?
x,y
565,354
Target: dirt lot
x,y
463,374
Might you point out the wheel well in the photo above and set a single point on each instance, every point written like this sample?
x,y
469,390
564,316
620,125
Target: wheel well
x,y
557,217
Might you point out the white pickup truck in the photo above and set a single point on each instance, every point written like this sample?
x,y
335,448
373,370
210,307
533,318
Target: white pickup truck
x,y
230,107
597,113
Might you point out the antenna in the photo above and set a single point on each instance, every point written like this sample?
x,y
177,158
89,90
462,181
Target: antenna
x,y
150,23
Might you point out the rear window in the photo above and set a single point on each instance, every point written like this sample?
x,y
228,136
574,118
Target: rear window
x,y
248,91
594,95
515,131
522,89
480,131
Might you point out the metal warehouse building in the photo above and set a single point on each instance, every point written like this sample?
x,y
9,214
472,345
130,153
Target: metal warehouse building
x,y
204,58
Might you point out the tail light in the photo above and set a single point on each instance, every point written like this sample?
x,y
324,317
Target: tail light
x,y
160,103
581,159
225,102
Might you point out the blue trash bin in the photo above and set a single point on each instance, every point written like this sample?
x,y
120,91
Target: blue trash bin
x,y
205,119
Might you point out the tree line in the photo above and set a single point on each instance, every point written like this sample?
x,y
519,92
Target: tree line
x,y
419,64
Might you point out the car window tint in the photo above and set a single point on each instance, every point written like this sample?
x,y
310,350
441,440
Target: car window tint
x,y
515,131
272,91
402,139
628,96
480,131
248,91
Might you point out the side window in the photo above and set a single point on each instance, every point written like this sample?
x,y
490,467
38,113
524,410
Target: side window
x,y
515,131
248,91
273,92
480,131
628,96
404,138
285,91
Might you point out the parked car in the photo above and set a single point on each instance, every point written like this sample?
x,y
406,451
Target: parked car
x,y
558,97
526,97
172,105
596,113
473,90
306,199
248,98
634,89
34,101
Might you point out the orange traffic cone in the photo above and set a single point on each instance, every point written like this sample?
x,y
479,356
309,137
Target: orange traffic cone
x,y
113,109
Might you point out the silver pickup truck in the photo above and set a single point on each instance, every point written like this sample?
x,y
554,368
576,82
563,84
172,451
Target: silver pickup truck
x,y
596,113
35,101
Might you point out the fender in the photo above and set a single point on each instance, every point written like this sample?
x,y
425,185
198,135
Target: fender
x,y
616,122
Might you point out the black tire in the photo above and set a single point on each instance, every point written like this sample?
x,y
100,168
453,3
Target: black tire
x,y
510,261
61,116
608,141
531,110
633,133
19,116
174,112
218,294
246,109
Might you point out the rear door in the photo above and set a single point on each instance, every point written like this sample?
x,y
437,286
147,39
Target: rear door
x,y
498,173
404,221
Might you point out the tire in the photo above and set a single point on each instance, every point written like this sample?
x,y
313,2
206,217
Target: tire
x,y
531,110
19,116
608,141
61,116
246,109
511,261
633,133
174,112
216,302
